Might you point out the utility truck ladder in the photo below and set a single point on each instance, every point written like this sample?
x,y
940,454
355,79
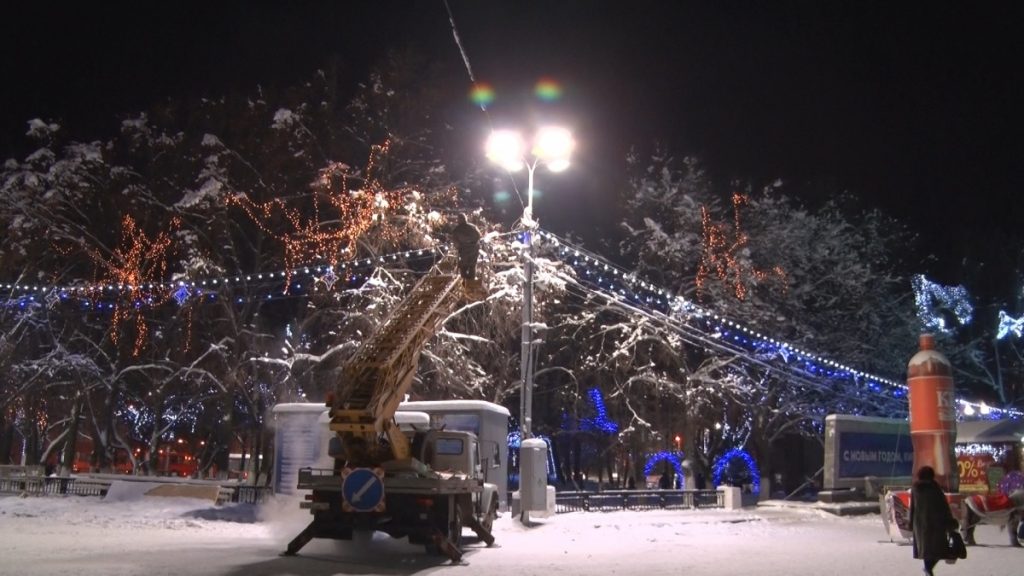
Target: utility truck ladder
x,y
375,380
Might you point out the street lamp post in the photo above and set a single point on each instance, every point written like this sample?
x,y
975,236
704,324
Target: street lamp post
x,y
552,147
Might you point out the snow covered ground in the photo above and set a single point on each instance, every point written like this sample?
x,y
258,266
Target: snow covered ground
x,y
87,536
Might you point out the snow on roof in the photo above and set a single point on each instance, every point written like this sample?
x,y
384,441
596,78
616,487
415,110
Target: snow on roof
x,y
858,418
305,407
989,431
454,406
413,419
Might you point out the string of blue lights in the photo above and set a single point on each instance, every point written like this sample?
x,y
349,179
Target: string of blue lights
x,y
598,272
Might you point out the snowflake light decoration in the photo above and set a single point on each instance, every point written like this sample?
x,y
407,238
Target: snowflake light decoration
x,y
1009,325
936,303
182,294
329,278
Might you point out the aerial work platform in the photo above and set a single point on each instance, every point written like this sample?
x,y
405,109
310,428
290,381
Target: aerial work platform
x,y
376,379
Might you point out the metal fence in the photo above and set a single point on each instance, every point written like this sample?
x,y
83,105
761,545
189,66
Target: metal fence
x,y
604,501
31,484
609,500
52,486
243,494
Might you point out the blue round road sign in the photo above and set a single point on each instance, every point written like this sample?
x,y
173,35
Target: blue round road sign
x,y
363,490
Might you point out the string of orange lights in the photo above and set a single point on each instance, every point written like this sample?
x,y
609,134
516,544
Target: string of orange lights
x,y
720,253
331,237
136,263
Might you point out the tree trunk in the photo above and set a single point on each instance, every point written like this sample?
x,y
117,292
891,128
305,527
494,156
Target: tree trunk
x,y
763,457
222,448
266,457
6,441
30,455
67,458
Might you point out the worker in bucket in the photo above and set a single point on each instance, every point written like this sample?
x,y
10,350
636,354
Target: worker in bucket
x,y
467,243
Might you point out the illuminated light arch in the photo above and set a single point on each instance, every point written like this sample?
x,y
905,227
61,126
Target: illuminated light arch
x,y
722,463
673,458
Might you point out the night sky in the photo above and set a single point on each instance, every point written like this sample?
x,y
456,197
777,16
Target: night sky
x,y
915,108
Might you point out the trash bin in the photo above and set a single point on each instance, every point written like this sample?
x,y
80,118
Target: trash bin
x,y
533,475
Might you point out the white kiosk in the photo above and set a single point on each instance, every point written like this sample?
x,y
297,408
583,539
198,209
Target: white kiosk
x,y
302,435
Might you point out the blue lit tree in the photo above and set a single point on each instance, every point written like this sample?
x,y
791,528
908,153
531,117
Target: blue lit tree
x,y
586,441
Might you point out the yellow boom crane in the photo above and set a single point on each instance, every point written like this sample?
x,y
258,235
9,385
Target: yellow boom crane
x,y
420,484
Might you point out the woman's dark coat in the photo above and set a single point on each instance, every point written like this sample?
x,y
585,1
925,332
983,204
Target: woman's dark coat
x,y
931,520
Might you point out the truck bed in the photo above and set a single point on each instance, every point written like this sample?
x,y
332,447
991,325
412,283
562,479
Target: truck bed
x,y
437,484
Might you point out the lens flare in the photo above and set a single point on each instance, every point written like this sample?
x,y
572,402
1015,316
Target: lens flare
x,y
482,94
547,90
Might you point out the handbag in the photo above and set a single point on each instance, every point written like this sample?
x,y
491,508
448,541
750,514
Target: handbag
x,y
957,548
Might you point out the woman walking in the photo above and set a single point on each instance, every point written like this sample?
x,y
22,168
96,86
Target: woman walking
x,y
930,520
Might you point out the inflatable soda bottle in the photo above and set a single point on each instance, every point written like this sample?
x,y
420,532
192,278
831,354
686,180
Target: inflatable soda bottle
x,y
933,413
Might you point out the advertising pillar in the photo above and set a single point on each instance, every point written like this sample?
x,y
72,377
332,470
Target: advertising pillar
x,y
933,413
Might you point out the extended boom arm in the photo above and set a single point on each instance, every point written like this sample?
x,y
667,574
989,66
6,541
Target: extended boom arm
x,y
376,379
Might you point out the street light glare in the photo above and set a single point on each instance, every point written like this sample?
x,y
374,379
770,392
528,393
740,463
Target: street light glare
x,y
554,146
505,148
558,165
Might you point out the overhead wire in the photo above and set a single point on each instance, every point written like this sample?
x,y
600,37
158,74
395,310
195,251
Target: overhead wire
x,y
475,84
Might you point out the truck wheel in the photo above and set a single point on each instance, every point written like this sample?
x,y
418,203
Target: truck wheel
x,y
492,512
455,528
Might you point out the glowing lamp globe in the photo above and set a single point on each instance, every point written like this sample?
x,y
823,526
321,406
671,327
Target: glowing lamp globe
x,y
505,148
553,146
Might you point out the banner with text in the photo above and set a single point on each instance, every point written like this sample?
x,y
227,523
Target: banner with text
x,y
871,454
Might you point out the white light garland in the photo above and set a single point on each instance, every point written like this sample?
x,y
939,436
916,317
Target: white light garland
x,y
227,280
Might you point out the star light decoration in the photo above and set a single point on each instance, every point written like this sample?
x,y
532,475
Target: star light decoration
x,y
136,269
337,214
938,305
721,251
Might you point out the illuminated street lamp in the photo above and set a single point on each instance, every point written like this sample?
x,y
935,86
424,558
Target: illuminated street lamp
x,y
552,147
